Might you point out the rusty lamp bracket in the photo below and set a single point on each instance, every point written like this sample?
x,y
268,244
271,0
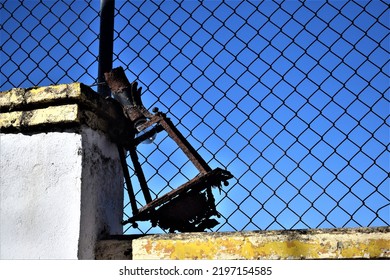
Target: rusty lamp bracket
x,y
186,208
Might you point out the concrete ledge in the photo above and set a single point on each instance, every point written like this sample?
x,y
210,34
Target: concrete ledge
x,y
16,98
52,115
359,243
54,108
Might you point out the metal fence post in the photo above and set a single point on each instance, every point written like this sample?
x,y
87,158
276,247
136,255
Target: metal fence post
x,y
106,43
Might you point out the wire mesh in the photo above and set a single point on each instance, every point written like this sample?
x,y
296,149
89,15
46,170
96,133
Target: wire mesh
x,y
48,42
292,97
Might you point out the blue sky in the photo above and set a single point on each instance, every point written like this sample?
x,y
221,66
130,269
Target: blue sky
x,y
291,97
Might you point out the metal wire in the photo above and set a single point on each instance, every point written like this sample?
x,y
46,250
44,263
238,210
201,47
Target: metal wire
x,y
286,95
48,42
291,97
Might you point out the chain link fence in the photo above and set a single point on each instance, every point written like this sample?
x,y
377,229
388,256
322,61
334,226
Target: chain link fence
x,y
48,42
292,97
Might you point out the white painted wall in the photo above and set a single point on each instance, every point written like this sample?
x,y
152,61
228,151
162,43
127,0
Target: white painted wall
x,y
59,193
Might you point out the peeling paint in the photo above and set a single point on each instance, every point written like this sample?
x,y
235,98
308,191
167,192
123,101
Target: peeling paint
x,y
18,97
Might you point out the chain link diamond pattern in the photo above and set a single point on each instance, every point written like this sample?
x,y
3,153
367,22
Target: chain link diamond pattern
x,y
292,97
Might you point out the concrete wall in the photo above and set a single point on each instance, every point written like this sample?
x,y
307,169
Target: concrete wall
x,y
61,181
40,195
101,193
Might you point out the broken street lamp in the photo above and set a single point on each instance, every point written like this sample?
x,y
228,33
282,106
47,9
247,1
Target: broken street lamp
x,y
186,208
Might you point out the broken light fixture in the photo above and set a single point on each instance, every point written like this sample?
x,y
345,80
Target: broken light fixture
x,y
186,208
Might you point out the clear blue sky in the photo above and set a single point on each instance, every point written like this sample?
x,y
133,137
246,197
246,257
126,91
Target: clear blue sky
x,y
291,97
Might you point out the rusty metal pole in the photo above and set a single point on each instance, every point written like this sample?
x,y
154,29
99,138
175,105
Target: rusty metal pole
x,y
106,44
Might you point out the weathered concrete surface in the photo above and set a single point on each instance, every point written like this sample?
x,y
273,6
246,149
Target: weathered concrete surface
x,y
53,115
101,205
60,192
59,107
21,98
40,200
61,181
367,243
113,249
